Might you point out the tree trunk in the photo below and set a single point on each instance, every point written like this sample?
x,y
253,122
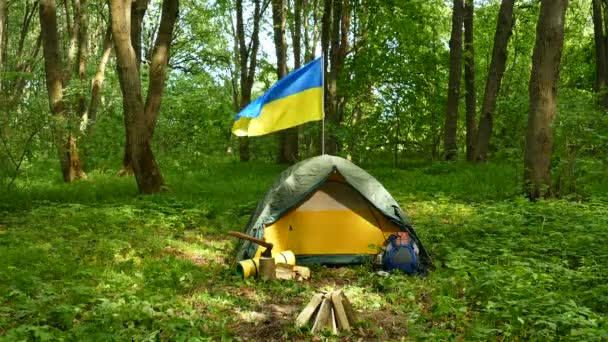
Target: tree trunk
x,y
543,97
305,27
99,78
83,50
469,79
248,61
288,138
159,60
138,12
297,34
2,41
315,30
243,59
336,25
66,144
73,28
140,119
451,119
498,64
601,49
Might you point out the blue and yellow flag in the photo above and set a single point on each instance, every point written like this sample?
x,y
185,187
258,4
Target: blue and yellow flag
x,y
295,99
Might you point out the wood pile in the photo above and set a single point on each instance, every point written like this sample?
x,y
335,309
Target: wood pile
x,y
328,311
292,272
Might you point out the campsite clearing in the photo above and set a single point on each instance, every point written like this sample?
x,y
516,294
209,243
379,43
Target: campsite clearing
x,y
92,261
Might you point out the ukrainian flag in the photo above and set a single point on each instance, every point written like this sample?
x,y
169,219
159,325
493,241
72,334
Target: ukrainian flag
x,y
295,99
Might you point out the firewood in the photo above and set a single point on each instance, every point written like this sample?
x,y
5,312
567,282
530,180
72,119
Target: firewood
x,y
328,310
340,313
306,314
348,308
323,320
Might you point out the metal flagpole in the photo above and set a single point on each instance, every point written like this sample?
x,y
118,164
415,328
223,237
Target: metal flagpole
x,y
323,104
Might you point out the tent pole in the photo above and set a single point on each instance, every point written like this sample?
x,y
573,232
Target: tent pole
x,y
323,103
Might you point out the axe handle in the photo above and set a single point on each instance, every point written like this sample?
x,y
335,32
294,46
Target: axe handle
x,y
268,245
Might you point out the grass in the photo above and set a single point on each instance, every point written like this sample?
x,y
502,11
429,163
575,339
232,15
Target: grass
x,y
95,261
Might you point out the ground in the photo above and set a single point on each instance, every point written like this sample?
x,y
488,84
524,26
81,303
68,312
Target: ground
x,y
95,261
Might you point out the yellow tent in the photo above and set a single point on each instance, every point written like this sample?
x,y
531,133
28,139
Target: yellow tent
x,y
334,220
327,210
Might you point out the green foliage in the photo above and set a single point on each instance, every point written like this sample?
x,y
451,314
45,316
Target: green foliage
x,y
92,261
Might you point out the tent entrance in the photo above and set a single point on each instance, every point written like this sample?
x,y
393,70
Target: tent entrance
x,y
335,220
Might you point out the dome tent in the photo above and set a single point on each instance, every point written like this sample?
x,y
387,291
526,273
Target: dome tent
x,y
327,210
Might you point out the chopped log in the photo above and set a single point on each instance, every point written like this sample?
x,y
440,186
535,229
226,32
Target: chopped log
x,y
302,273
323,320
340,313
289,272
267,269
306,314
348,308
284,271
328,311
334,324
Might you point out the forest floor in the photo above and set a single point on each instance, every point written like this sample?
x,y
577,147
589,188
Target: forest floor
x,y
95,261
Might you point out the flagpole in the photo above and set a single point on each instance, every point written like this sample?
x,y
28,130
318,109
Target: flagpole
x,y
323,103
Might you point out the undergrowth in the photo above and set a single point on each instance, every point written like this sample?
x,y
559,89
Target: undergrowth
x,y
95,261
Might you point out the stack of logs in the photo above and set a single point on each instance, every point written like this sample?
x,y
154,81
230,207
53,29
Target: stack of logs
x,y
328,311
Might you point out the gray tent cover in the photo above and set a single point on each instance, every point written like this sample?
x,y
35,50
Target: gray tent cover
x,y
301,180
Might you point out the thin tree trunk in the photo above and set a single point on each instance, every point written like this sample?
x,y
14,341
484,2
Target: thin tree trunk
x,y
73,27
325,37
331,142
498,64
243,59
247,61
297,34
23,64
83,50
288,138
2,41
469,79
601,49
65,142
26,67
99,78
306,26
543,97
141,118
315,30
451,119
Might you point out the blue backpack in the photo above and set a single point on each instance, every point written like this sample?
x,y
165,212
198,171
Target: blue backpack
x,y
400,253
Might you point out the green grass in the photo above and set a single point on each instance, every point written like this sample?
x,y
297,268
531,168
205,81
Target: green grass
x,y
95,261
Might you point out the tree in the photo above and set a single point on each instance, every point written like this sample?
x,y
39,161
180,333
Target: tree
x,y
2,24
99,78
504,26
469,78
138,12
543,97
288,138
334,43
140,117
600,29
248,53
296,34
23,62
451,119
56,80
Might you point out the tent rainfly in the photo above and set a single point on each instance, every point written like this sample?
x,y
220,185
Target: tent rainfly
x,y
327,210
